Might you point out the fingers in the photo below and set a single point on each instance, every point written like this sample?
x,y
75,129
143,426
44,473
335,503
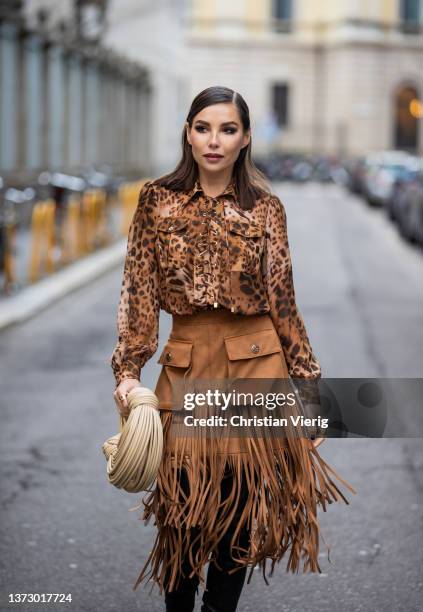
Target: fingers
x,y
121,402
120,395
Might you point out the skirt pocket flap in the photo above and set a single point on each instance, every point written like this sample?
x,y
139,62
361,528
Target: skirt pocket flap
x,y
176,353
255,344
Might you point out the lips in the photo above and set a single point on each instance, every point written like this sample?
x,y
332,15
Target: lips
x,y
213,156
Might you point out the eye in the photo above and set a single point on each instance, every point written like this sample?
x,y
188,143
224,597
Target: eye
x,y
230,130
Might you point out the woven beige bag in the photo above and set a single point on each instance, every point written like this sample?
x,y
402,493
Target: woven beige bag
x,y
134,454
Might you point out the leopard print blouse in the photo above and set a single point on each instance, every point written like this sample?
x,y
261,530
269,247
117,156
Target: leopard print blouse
x,y
187,252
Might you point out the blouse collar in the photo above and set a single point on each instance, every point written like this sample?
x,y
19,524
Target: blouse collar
x,y
230,190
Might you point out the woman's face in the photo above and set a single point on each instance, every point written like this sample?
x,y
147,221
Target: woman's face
x,y
217,130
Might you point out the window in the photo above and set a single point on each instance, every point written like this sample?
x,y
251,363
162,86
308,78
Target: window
x,y
410,16
406,119
282,15
410,10
280,103
282,9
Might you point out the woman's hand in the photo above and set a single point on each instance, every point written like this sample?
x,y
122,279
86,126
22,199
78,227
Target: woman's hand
x,y
121,392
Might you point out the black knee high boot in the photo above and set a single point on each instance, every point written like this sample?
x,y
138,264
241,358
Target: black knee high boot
x,y
223,590
183,598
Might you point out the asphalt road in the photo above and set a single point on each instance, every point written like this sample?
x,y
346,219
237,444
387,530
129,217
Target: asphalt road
x,y
64,529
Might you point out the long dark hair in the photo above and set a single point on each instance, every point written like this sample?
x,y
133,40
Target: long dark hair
x,y
250,182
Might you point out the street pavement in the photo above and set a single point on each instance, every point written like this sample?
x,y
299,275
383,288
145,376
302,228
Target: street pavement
x,y
65,529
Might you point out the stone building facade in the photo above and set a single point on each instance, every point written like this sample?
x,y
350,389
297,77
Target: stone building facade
x,y
335,77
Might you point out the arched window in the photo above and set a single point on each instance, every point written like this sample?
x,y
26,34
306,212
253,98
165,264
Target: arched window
x,y
408,110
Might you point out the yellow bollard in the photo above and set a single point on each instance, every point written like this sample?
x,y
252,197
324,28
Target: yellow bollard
x,y
103,236
71,235
128,196
50,233
94,220
123,199
85,227
43,233
35,257
88,221
9,266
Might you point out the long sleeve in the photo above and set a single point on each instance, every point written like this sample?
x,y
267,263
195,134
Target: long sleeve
x,y
139,305
284,312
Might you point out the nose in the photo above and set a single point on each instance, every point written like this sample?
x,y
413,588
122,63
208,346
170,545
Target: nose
x,y
214,141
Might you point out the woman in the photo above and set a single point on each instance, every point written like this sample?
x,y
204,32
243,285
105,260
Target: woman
x,y
208,243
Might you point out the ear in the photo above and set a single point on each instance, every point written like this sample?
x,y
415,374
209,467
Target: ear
x,y
187,131
246,139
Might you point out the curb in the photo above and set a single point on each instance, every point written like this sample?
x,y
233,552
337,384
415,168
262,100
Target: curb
x,y
35,298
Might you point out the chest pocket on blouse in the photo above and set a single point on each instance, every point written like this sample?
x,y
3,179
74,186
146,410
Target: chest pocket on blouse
x,y
246,244
172,241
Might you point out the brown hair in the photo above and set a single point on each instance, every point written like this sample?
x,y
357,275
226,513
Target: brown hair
x,y
250,182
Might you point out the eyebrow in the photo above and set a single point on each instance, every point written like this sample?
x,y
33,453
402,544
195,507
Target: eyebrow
x,y
224,123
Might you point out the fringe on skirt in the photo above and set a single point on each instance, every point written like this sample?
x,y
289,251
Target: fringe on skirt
x,y
286,481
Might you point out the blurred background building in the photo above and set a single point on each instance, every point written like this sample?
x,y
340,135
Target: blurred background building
x,y
67,101
110,81
339,76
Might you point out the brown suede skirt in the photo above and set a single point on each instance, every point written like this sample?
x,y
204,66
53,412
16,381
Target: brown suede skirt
x,y
287,478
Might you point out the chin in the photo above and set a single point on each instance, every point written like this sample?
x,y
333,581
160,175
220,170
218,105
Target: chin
x,y
213,169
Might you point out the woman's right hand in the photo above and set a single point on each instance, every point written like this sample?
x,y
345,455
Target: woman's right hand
x,y
121,392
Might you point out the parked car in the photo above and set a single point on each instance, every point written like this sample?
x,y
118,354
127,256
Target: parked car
x,y
277,166
410,212
302,171
356,173
300,167
395,202
380,173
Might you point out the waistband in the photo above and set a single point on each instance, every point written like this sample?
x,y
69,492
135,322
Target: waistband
x,y
217,315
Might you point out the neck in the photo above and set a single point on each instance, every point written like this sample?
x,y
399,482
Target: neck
x,y
213,185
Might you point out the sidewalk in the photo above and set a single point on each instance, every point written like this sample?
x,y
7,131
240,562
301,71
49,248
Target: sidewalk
x,y
30,300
